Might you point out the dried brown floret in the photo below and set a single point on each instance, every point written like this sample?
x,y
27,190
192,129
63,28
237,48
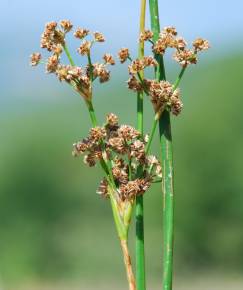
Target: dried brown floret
x,y
103,188
169,30
128,132
118,144
90,160
35,58
112,119
134,84
81,33
185,57
84,48
136,66
99,37
146,35
200,44
138,149
57,49
123,54
52,63
100,71
149,61
97,134
108,59
66,25
160,46
180,43
120,174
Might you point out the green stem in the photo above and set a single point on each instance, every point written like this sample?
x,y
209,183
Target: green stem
x,y
167,165
140,256
177,82
68,54
151,136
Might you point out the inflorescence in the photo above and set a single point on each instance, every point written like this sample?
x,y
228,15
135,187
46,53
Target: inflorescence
x,y
163,94
81,78
121,150
124,147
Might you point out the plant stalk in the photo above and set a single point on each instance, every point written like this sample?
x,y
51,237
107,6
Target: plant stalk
x,y
167,165
128,265
140,255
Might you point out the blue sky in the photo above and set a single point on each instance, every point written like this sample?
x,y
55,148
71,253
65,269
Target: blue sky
x,y
21,24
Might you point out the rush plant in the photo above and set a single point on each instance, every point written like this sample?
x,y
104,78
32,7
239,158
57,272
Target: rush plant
x,y
121,151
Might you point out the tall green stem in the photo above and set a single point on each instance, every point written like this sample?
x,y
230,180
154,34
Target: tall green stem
x,y
140,256
167,166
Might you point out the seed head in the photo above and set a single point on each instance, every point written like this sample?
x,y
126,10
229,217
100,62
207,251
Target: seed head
x,y
66,25
99,37
112,120
201,44
81,33
134,84
146,35
52,63
108,59
136,66
35,59
185,57
123,54
84,48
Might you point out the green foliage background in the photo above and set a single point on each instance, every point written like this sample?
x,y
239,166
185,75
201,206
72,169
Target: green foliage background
x,y
54,226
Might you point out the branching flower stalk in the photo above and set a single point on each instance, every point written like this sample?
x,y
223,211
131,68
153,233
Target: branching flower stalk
x,y
121,150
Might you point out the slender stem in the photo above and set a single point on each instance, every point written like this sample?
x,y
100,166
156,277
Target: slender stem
x,y
140,256
128,265
68,54
167,165
177,82
151,136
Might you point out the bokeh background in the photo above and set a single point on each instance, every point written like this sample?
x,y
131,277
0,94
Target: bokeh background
x,y
55,232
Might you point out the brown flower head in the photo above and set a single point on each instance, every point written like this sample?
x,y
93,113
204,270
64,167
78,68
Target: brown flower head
x,y
123,54
52,63
99,37
81,33
112,120
146,35
84,48
134,84
35,59
136,66
108,59
200,44
185,57
66,25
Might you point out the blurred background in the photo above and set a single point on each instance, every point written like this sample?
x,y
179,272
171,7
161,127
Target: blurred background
x,y
55,232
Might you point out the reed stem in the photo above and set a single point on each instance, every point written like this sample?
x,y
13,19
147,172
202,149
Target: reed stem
x,y
167,165
140,256
128,265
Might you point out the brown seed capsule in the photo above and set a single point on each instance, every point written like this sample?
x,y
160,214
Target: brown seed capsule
x,y
66,25
99,37
146,35
35,59
84,48
81,33
112,119
201,44
123,54
108,59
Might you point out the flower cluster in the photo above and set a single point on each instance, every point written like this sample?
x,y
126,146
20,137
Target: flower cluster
x,y
162,94
53,40
168,39
124,148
